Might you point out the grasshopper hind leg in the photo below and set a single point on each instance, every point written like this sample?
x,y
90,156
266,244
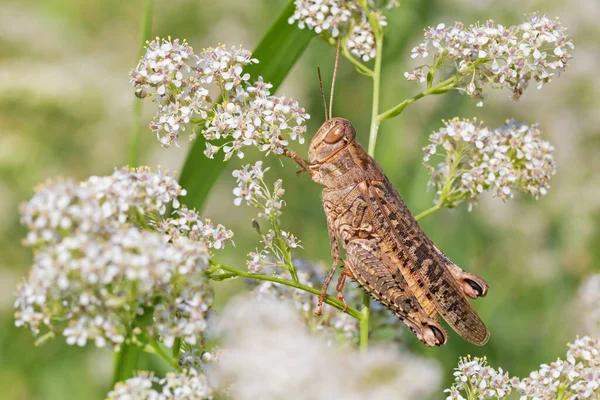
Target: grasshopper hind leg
x,y
471,285
373,270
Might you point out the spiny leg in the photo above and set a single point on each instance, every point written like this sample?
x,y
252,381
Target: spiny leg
x,y
325,285
335,254
340,286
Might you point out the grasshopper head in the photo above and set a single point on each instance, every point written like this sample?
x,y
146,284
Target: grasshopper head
x,y
334,135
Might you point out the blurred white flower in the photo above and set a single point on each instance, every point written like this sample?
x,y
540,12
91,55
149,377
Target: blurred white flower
x,y
477,159
187,385
265,338
99,262
346,19
336,327
476,380
141,386
510,57
589,304
179,81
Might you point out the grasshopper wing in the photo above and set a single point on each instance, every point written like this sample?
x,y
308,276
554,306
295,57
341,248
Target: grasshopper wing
x,y
420,263
377,272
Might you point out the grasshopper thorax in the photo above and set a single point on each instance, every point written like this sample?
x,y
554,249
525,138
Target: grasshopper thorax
x,y
334,135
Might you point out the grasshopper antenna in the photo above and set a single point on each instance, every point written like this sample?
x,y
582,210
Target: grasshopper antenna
x,y
322,92
335,67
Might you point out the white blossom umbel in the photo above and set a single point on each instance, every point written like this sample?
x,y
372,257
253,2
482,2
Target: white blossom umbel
x,y
480,381
510,57
105,255
268,354
474,159
186,385
345,19
577,377
179,80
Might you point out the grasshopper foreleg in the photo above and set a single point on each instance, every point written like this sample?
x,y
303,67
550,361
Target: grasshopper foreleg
x,y
335,254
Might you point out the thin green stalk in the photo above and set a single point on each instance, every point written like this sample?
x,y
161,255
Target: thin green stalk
x,y
364,322
366,301
159,351
376,88
429,211
332,301
445,195
363,69
440,88
134,143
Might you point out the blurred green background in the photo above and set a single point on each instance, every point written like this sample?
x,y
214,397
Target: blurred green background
x,y
66,109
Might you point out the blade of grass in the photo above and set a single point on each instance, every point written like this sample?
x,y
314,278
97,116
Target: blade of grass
x,y
278,52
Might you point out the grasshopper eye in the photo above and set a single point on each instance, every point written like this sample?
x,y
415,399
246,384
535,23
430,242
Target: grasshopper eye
x,y
334,135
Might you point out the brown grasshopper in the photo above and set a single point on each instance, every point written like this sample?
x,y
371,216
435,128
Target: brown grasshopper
x,y
387,252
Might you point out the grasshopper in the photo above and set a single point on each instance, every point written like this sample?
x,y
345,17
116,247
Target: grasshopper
x,y
387,252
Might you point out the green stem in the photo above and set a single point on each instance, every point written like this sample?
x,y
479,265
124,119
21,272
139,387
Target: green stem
x,y
159,351
366,300
134,143
285,250
375,106
428,211
332,301
440,88
363,69
365,312
445,195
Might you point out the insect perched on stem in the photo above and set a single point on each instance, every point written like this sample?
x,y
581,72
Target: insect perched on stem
x,y
387,252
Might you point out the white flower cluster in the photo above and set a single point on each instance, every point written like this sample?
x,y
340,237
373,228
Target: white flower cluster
x,y
274,253
480,381
252,189
187,385
510,57
302,366
335,326
477,159
99,263
335,18
179,81
98,205
578,377
189,224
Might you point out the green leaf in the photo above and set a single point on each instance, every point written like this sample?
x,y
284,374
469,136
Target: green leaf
x,y
277,53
